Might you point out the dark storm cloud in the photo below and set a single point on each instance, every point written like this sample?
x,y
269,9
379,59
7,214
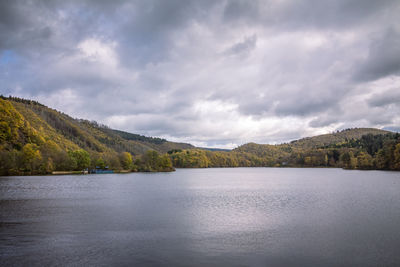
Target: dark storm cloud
x,y
385,98
237,10
20,29
147,29
248,44
219,72
322,121
334,14
302,107
383,57
309,14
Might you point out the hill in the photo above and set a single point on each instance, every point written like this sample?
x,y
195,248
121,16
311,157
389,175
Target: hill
x,y
336,138
72,133
359,148
25,122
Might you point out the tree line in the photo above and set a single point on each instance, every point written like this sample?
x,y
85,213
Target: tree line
x,y
380,152
31,145
32,159
37,140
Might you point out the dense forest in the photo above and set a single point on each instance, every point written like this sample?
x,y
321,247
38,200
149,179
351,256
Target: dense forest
x,y
35,139
380,150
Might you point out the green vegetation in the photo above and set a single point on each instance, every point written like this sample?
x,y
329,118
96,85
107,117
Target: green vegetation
x,y
151,161
336,138
35,139
349,149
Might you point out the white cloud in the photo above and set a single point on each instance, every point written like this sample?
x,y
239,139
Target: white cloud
x,y
99,52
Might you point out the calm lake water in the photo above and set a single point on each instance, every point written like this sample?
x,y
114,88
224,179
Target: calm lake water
x,y
203,217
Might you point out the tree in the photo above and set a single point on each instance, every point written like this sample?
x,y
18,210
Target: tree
x,y
9,162
112,160
364,161
348,160
126,160
307,161
81,157
100,163
396,155
31,157
165,163
380,160
353,161
152,161
48,166
63,162
5,131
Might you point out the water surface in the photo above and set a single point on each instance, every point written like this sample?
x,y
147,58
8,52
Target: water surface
x,y
203,217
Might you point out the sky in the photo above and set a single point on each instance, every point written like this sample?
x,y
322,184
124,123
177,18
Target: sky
x,y
211,73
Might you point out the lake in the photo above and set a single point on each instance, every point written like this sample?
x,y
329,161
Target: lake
x,y
203,217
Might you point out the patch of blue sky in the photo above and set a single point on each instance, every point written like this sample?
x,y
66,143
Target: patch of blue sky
x,y
8,57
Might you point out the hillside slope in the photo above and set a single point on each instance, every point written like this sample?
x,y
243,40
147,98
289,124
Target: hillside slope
x,y
315,142
335,138
38,139
73,133
359,148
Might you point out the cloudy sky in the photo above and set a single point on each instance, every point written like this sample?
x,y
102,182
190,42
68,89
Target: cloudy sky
x,y
212,73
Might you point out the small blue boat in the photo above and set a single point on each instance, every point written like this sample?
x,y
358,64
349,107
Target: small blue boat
x,y
99,170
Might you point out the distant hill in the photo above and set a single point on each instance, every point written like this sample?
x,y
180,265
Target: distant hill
x,y
336,138
357,148
265,151
284,153
214,149
319,141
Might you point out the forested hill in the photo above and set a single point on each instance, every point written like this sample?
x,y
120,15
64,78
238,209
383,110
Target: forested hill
x,y
359,148
336,137
47,131
48,123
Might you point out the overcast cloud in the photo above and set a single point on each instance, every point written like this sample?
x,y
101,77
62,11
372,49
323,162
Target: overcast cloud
x,y
212,73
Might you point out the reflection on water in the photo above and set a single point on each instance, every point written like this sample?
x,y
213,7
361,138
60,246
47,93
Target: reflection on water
x,y
197,217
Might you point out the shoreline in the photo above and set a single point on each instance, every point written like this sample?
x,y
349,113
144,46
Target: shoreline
x,y
54,173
